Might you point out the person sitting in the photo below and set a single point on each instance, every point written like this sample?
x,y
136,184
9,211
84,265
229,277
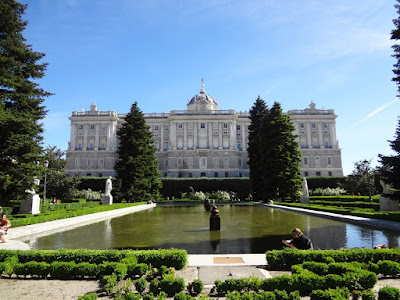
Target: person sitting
x,y
299,241
4,225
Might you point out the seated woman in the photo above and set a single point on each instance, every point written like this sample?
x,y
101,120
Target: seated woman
x,y
4,225
299,241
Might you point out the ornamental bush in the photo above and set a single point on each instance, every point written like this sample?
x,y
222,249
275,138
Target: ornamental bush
x,y
171,285
195,287
334,294
140,285
388,267
389,293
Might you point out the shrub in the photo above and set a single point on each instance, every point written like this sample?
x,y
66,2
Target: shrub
x,y
388,267
132,296
87,269
109,282
183,296
389,293
317,268
140,285
284,282
195,287
172,285
364,295
62,270
334,294
137,270
88,296
155,286
148,296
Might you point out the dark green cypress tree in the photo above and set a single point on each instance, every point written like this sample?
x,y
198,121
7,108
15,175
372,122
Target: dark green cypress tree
x,y
21,105
137,166
254,150
281,156
390,171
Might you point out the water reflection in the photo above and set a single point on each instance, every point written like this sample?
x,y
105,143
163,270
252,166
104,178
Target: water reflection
x,y
244,229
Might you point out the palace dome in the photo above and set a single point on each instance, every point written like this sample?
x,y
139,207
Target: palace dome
x,y
202,96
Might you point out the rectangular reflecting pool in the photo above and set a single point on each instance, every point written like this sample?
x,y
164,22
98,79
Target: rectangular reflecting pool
x,y
244,229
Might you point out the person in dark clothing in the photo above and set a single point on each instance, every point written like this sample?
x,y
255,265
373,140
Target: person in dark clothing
x,y
299,241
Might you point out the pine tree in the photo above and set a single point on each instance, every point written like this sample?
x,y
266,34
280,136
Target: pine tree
x,y
390,171
21,104
136,165
254,150
280,156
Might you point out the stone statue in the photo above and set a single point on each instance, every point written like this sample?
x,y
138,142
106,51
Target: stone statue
x,y
108,189
32,204
385,187
304,187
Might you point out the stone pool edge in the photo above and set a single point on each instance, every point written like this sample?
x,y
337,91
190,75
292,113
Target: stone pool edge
x,y
70,223
376,223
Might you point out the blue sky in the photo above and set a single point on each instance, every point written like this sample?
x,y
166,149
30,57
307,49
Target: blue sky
x,y
336,53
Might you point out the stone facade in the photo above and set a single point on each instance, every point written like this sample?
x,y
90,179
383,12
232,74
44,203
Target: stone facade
x,y
201,141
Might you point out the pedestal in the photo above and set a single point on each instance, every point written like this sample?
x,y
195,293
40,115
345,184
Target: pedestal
x,y
30,206
215,222
387,204
304,200
108,200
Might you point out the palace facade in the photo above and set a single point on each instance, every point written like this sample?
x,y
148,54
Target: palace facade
x,y
201,141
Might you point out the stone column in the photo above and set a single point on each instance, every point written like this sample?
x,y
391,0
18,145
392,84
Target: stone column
x,y
97,137
220,136
308,129
232,136
172,136
320,135
332,134
85,136
195,124
162,138
108,145
73,137
185,136
113,135
244,145
210,141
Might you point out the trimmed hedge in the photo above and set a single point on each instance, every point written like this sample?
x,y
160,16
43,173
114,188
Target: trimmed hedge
x,y
325,182
286,258
176,258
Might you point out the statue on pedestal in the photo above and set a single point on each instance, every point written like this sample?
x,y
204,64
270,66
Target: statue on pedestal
x,y
305,198
215,222
108,198
32,204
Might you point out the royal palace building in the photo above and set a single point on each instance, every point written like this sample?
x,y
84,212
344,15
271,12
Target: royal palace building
x,y
201,141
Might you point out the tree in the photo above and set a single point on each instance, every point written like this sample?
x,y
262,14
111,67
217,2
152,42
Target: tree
x,y
390,171
21,105
361,180
136,166
254,150
59,184
281,156
396,47
274,157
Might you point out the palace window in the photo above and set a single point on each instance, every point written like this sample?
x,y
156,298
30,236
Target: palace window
x,y
179,163
216,161
77,162
203,174
301,125
91,126
103,126
330,173
180,125
313,125
101,162
237,127
80,127
226,161
305,160
89,162
226,174
166,128
216,174
325,125
203,161
305,174
156,128
202,125
318,173
317,160
329,160
225,125
190,175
